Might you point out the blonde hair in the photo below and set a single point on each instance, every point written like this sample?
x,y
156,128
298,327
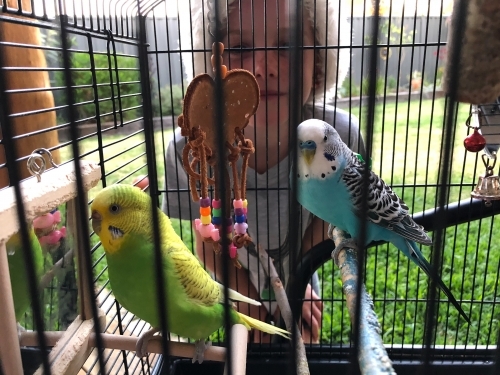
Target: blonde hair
x,y
322,14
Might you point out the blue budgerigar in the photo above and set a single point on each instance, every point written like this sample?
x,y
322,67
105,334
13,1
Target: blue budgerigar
x,y
330,185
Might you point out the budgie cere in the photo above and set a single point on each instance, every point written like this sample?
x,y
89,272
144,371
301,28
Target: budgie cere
x,y
121,217
330,183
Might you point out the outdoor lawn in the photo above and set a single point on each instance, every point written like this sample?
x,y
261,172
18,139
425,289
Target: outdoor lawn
x,y
406,155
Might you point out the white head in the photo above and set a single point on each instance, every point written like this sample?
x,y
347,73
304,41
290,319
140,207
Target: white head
x,y
321,151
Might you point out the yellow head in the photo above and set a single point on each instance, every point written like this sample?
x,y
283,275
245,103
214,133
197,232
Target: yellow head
x,y
117,212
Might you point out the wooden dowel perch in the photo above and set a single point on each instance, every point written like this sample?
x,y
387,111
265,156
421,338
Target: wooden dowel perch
x,y
479,73
64,262
372,356
119,342
286,311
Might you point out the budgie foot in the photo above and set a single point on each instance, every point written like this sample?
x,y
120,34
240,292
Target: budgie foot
x,y
199,350
346,243
141,348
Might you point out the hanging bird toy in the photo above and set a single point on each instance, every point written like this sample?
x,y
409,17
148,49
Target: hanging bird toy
x,y
200,159
488,186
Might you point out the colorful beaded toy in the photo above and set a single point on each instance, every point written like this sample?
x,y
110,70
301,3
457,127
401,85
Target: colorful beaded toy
x,y
46,228
198,124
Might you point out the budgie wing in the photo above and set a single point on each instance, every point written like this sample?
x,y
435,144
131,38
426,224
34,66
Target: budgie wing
x,y
198,284
385,208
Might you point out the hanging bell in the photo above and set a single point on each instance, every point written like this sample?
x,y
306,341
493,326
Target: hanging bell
x,y
488,186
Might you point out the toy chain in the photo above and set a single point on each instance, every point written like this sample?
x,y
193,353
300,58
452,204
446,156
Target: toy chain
x,y
200,159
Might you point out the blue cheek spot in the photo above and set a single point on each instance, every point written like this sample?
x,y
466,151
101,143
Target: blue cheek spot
x,y
330,157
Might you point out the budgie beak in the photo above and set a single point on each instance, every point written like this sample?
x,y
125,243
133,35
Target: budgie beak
x,y
96,222
308,149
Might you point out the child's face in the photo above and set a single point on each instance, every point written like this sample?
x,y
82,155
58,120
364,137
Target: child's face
x,y
262,24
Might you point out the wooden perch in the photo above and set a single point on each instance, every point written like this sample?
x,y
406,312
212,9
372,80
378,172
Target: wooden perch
x,y
286,311
372,356
479,73
119,342
50,274
58,186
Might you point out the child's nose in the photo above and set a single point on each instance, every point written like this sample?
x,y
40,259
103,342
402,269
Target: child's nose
x,y
266,64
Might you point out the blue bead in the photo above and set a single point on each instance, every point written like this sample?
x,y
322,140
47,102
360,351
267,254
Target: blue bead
x,y
216,220
240,218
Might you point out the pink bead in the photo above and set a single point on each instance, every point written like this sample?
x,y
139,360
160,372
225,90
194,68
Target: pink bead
x,y
229,228
216,203
197,223
215,234
237,203
245,210
52,238
206,230
57,235
240,228
233,251
43,221
63,231
57,216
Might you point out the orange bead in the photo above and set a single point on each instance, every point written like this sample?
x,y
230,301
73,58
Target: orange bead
x,y
204,211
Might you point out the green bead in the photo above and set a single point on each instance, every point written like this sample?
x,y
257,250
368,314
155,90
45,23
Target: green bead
x,y
217,212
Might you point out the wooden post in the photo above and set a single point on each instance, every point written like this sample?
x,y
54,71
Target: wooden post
x,y
72,350
10,352
74,225
239,339
56,187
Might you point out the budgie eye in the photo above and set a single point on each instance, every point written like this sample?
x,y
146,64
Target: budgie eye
x,y
326,138
114,208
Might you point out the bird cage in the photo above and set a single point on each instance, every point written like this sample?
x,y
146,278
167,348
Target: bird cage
x,y
198,104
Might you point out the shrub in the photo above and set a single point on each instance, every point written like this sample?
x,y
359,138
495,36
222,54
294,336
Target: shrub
x,y
117,85
171,101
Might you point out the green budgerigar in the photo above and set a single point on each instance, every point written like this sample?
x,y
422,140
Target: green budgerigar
x,y
17,270
121,217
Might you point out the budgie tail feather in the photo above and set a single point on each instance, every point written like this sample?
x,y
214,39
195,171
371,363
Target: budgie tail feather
x,y
261,326
418,258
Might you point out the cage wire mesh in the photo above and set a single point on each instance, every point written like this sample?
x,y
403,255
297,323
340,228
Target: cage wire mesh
x,y
114,75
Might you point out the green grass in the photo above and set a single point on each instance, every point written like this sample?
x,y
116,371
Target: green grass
x,y
406,154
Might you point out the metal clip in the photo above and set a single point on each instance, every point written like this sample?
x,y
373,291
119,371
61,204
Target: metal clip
x,y
36,169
